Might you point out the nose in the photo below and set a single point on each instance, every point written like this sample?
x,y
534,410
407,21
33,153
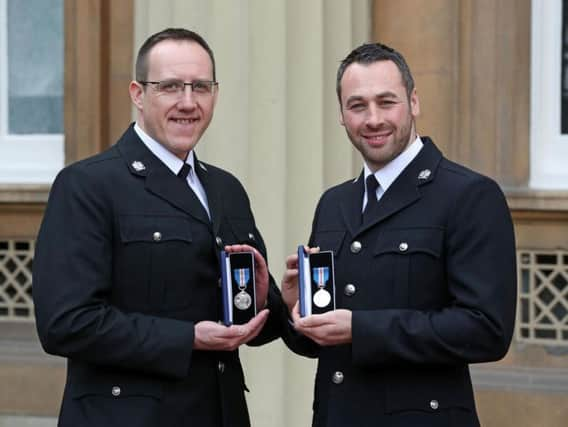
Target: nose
x,y
374,117
187,99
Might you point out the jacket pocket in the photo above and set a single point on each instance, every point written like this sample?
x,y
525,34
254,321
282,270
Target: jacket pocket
x,y
153,262
414,258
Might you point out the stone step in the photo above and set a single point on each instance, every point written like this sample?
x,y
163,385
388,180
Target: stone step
x,y
26,421
32,381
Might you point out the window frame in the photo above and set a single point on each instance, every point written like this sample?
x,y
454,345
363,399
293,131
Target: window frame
x,y
548,146
24,159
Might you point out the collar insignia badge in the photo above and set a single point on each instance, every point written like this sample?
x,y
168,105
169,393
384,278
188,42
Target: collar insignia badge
x,y
425,174
138,166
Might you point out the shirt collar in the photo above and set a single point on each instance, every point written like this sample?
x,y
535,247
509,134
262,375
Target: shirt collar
x,y
173,162
390,172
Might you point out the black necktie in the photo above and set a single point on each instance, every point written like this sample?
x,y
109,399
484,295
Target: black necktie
x,y
184,171
182,174
372,202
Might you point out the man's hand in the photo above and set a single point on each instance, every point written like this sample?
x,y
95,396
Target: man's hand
x,y
260,273
214,336
331,328
289,284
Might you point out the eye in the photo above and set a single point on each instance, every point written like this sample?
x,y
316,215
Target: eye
x,y
387,103
171,86
358,106
201,86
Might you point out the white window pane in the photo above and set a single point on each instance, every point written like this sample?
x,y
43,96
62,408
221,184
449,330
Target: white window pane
x,y
564,84
549,145
35,61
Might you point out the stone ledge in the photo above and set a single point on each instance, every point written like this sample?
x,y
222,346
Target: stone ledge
x,y
25,352
521,379
540,200
24,193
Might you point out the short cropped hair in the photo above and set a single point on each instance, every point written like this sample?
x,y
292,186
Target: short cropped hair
x,y
179,34
369,53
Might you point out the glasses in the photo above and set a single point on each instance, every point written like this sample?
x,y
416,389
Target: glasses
x,y
177,87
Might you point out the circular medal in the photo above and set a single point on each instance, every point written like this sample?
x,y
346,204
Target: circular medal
x,y
322,298
242,300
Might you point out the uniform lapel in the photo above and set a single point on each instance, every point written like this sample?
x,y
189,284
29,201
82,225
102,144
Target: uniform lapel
x,y
163,183
159,180
212,190
401,193
405,190
351,208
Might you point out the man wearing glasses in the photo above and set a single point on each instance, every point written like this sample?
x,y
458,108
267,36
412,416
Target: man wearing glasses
x,y
126,271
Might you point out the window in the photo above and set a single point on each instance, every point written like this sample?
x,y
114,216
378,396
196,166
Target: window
x,y
31,91
549,95
564,81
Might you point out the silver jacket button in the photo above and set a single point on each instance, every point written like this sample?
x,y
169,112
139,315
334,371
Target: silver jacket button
x,y
356,246
219,241
434,404
251,236
337,377
157,236
116,391
403,247
349,289
221,367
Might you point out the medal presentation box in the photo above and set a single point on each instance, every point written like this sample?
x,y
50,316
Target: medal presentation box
x,y
237,286
316,282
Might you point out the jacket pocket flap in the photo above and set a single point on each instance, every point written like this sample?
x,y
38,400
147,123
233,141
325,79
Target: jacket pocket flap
x,y
116,387
410,240
154,228
429,390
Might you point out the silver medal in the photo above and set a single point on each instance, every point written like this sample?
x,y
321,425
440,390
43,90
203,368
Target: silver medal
x,y
242,300
322,298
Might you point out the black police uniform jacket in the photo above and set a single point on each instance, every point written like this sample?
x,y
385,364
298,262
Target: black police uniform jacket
x,y
434,290
126,263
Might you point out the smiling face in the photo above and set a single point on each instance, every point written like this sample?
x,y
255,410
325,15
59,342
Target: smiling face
x,y
376,111
175,121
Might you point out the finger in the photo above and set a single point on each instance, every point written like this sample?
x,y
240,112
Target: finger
x,y
237,248
259,319
317,320
258,258
296,314
313,250
213,336
290,277
254,326
292,261
234,331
